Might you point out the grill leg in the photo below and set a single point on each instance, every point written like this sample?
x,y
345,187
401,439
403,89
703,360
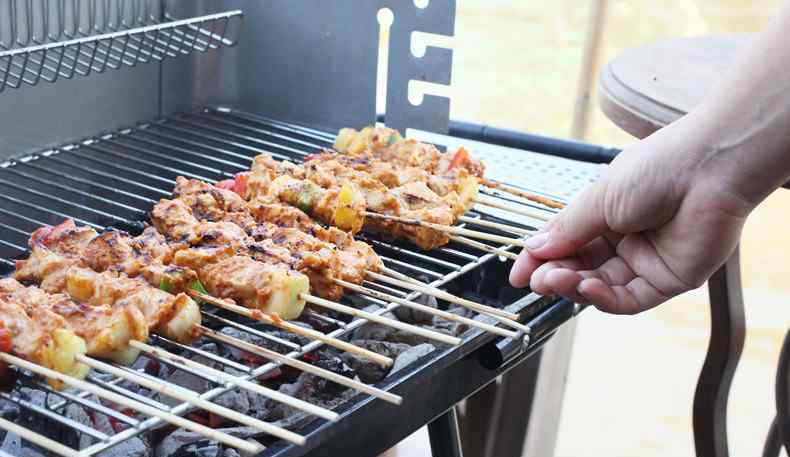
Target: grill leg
x,y
726,343
443,432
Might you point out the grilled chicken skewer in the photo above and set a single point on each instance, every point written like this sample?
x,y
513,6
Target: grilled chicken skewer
x,y
41,337
388,145
322,254
297,185
56,263
106,330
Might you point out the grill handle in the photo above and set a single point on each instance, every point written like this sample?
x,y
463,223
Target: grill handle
x,y
504,350
568,149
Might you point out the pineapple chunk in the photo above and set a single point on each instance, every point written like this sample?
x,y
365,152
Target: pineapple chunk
x,y
182,327
467,191
284,299
346,215
112,343
60,355
344,139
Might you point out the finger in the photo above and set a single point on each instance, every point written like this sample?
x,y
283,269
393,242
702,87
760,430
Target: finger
x,y
523,268
614,272
593,254
576,225
536,282
565,282
641,255
636,296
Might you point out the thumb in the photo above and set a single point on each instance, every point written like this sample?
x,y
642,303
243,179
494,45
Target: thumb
x,y
576,225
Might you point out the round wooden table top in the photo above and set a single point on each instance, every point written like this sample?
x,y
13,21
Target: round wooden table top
x,y
650,86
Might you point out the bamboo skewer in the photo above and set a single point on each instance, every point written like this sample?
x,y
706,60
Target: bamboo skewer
x,y
550,202
239,382
438,293
194,400
277,322
504,317
398,275
484,247
35,438
434,335
449,229
427,309
514,210
303,366
166,416
496,225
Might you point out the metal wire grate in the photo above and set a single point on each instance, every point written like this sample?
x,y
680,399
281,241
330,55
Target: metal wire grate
x,y
116,178
49,40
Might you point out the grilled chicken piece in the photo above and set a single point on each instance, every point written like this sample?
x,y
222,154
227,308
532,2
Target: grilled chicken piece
x,y
271,288
224,257
56,262
106,330
41,337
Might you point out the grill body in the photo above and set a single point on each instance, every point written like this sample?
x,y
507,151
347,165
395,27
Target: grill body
x,y
103,149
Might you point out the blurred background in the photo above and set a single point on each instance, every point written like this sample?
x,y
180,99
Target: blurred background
x,y
631,379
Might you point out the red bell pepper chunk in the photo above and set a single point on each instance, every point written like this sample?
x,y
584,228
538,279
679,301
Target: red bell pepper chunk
x,y
461,157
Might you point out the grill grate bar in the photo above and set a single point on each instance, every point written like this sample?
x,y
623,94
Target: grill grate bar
x,y
77,191
255,332
142,139
92,405
192,134
259,131
202,126
121,179
202,353
410,266
326,137
50,414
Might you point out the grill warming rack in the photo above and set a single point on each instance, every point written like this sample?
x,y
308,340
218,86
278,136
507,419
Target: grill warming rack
x,y
108,179
48,40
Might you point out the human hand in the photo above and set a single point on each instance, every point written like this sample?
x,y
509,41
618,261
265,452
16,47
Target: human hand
x,y
659,222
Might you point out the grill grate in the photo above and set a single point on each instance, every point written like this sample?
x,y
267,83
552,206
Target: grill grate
x,y
115,178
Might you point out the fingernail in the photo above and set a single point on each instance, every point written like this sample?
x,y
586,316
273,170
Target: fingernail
x,y
537,241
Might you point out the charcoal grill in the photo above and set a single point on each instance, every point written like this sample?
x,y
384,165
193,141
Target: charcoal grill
x,y
144,91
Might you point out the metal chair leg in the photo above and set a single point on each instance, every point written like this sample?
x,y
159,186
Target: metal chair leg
x,y
443,432
728,329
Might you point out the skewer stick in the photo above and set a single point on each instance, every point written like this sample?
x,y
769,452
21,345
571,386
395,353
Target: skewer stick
x,y
495,225
444,338
398,275
438,293
193,399
166,416
303,366
512,209
277,322
499,315
509,321
427,309
483,247
35,438
449,229
237,381
550,202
